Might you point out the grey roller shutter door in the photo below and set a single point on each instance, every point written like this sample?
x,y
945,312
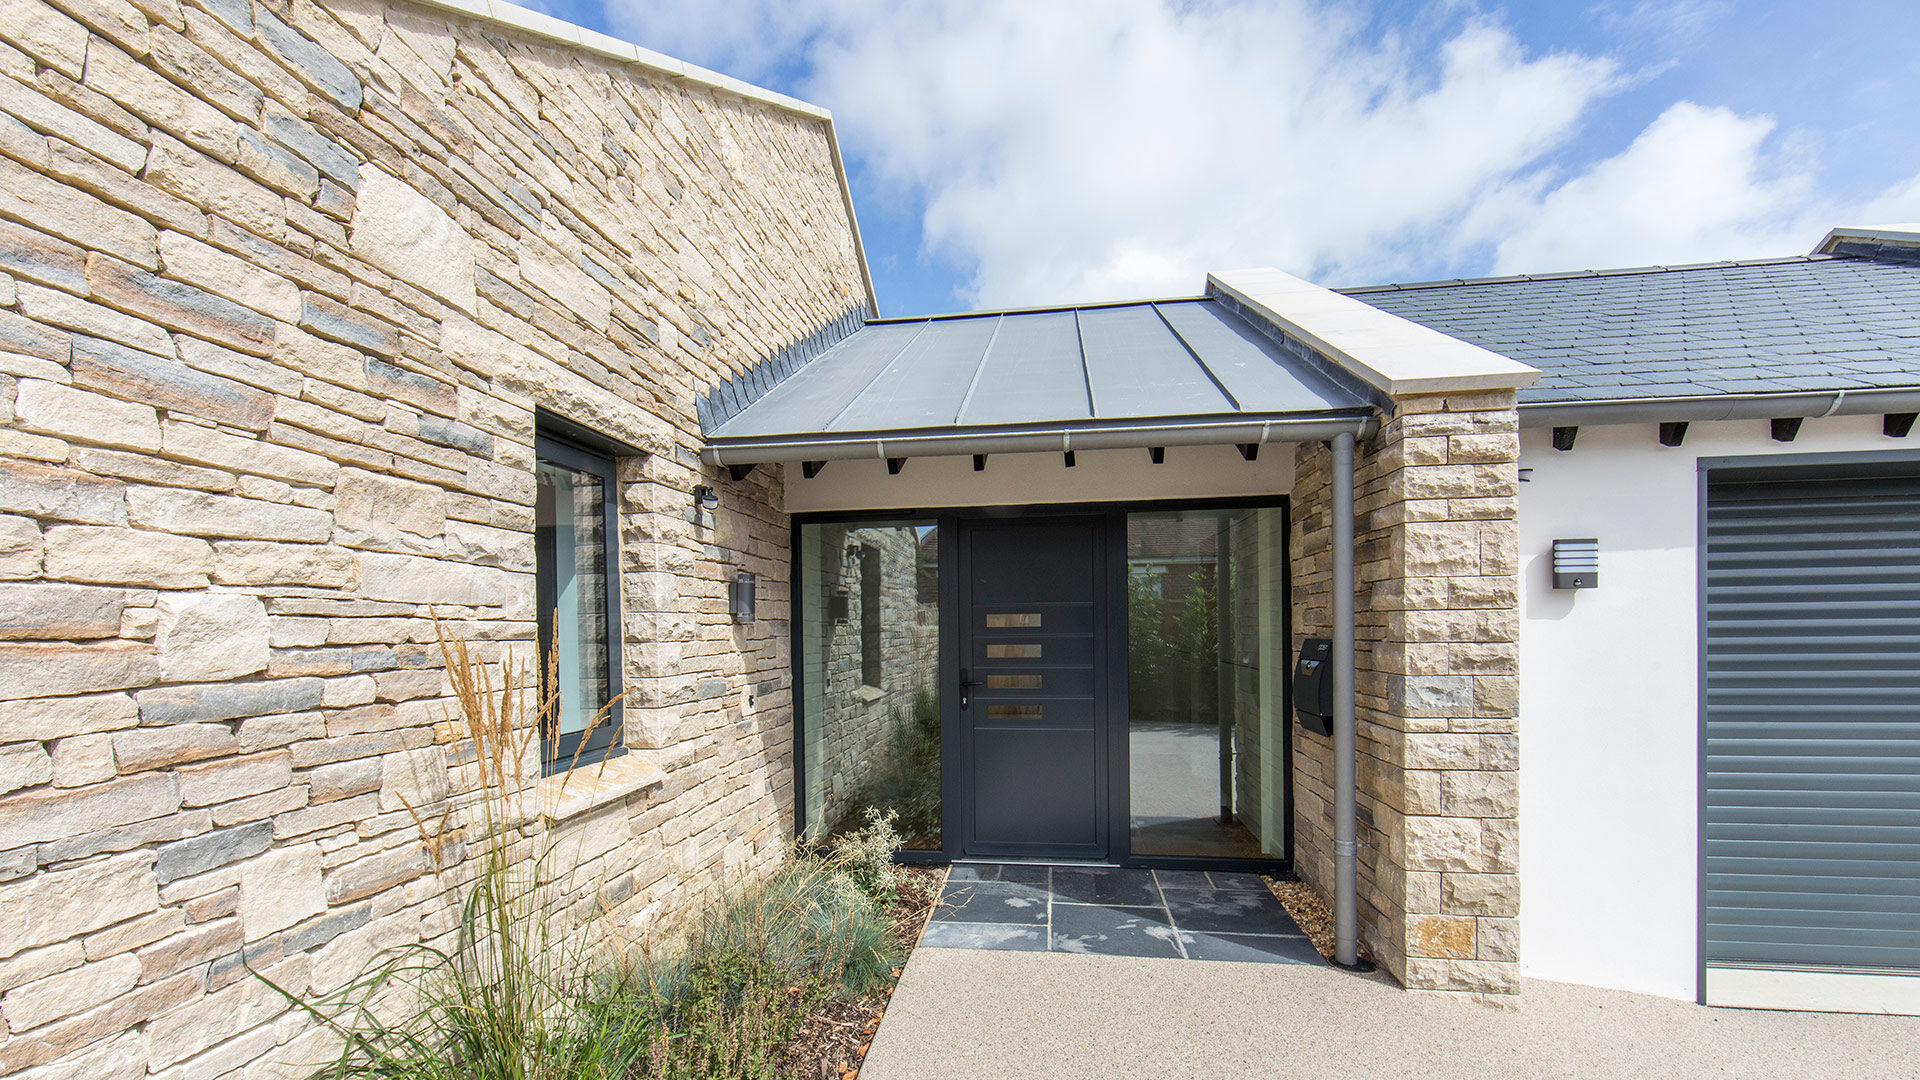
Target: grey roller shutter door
x,y
1811,800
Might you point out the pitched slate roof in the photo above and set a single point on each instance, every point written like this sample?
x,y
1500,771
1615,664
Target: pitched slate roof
x,y
1071,370
1768,326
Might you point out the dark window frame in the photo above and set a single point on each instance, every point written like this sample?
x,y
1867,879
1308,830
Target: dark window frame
x,y
872,622
559,753
947,519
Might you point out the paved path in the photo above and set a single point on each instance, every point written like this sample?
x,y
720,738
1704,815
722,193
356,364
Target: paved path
x,y
968,1014
1177,914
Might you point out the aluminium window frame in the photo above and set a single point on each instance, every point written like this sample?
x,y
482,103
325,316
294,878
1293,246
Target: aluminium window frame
x,y
948,521
598,743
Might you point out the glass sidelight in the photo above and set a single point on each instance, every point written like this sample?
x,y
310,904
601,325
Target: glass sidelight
x,y
1207,656
869,610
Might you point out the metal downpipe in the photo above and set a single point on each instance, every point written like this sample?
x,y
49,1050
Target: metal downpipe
x,y
1346,920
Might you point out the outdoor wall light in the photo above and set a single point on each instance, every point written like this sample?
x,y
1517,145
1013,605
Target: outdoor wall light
x,y
740,593
705,498
1576,564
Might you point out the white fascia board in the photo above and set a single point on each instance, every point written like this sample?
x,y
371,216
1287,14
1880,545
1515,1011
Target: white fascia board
x,y
1390,353
542,25
1882,234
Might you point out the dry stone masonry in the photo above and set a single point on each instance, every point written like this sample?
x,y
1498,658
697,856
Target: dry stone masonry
x,y
282,285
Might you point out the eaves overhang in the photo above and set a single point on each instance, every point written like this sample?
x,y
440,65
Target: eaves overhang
x,y
1705,408
1141,433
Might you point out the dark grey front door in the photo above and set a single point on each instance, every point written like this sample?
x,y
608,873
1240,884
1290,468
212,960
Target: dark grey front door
x,y
1032,658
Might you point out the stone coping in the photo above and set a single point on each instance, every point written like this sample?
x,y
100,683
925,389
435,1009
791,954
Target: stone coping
x,y
544,25
1390,353
590,787
1907,233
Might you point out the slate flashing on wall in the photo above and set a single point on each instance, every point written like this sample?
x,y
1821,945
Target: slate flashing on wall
x,y
724,401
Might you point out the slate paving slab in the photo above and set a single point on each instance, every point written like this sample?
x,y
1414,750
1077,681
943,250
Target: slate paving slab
x,y
1252,948
1223,911
973,935
992,902
1125,888
1182,879
1109,911
1113,931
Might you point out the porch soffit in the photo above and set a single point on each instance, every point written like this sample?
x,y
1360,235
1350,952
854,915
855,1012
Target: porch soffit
x,y
1154,373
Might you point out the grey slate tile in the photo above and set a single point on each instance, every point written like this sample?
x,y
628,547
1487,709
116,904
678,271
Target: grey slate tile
x,y
1002,936
991,901
1252,949
1687,331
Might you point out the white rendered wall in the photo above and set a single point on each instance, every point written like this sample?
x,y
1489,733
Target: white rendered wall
x,y
1189,472
1609,716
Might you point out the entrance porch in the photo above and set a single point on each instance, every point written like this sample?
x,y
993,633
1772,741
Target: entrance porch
x,y
1051,571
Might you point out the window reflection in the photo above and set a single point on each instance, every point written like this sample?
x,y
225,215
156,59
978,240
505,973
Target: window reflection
x,y
870,637
1206,662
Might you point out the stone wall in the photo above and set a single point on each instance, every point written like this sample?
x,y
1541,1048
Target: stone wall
x,y
281,287
1436,624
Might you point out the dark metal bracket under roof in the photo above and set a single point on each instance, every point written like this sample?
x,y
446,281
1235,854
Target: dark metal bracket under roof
x,y
1150,374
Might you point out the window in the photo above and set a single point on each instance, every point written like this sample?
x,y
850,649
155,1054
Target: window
x,y
578,596
868,708
870,628
1207,659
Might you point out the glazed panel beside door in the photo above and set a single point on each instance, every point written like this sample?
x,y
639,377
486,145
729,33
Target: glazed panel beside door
x,y
1030,655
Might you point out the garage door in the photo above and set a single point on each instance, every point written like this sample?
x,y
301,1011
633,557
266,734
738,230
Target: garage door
x,y
1812,754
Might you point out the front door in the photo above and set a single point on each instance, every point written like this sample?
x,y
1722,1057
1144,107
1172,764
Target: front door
x,y
1032,662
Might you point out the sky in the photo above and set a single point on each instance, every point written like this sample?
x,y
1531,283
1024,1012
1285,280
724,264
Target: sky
x,y
1011,153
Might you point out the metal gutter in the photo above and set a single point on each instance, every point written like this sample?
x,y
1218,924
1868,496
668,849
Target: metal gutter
x,y
1086,436
1709,407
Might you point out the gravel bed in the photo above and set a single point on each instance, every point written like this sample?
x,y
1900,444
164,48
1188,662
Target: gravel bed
x,y
1307,909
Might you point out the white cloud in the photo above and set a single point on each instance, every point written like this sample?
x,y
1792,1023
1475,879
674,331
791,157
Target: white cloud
x,y
1081,150
1699,184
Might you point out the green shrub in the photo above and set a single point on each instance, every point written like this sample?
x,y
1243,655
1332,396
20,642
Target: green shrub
x,y
753,967
866,854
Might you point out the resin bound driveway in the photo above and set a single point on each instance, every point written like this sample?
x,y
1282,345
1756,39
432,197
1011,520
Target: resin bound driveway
x,y
1037,998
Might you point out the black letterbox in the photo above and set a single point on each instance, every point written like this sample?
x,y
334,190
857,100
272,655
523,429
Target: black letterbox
x,y
1313,686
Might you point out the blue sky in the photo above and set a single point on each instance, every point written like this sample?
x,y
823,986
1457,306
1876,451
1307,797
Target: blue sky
x,y
1009,153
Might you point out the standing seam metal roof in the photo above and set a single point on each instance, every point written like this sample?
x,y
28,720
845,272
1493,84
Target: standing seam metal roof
x,y
1814,323
1157,360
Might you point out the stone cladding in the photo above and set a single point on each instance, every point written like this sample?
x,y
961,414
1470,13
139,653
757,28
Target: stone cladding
x,y
1436,626
282,286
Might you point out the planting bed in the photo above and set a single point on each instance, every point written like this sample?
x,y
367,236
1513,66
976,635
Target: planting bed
x,y
834,1040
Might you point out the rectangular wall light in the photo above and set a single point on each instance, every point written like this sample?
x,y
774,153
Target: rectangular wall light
x,y
740,597
1576,564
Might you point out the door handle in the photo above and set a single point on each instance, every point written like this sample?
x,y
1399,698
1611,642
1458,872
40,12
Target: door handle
x,y
967,684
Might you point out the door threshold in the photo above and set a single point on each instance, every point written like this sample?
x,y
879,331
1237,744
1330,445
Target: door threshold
x,y
989,860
